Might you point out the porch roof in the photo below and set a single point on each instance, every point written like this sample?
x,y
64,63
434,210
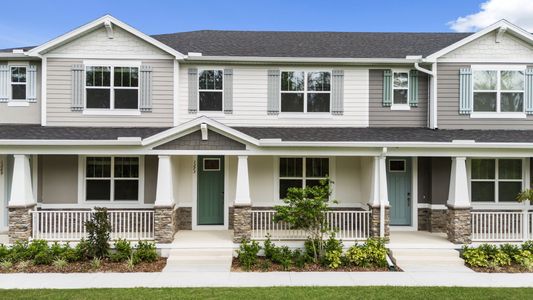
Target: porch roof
x,y
38,132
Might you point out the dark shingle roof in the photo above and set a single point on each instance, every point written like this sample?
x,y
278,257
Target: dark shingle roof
x,y
324,134
37,132
309,44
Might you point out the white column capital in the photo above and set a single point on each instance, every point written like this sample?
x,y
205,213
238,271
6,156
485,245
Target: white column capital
x,y
164,196
458,195
242,189
21,184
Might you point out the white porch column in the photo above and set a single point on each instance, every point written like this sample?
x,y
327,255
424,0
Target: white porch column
x,y
164,196
458,196
242,190
21,185
379,201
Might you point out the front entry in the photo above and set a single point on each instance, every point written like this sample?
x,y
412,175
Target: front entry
x,y
399,190
210,206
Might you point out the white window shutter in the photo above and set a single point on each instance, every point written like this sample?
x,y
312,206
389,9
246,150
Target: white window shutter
x,y
145,89
4,83
465,91
387,88
31,84
529,91
413,88
78,87
193,90
273,94
228,91
337,92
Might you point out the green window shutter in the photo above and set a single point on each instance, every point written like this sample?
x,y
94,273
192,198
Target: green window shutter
x,y
78,87
274,85
4,83
387,88
413,88
465,91
337,92
193,90
529,91
228,91
145,76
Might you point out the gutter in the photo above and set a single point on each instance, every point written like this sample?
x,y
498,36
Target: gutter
x,y
433,88
256,59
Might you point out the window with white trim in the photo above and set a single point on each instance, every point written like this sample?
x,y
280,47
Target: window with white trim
x,y
306,92
495,180
112,87
400,88
210,90
112,178
498,90
18,83
301,172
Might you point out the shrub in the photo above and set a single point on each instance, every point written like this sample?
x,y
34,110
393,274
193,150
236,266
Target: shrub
x,y
333,259
310,246
283,256
122,251
98,229
500,259
60,264
371,254
146,251
525,259
19,251
5,252
269,247
475,257
528,245
44,257
300,258
247,253
24,264
510,250
265,265
81,252
96,262
6,265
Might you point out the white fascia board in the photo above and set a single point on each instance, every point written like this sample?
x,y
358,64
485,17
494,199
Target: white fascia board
x,y
12,55
221,128
511,28
100,22
256,59
118,142
456,144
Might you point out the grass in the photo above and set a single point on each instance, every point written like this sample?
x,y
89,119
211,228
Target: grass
x,y
276,293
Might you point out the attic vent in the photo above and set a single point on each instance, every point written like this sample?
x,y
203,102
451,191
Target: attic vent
x,y
109,29
18,50
194,54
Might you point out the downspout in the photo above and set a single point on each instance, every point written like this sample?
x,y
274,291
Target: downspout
x,y
433,92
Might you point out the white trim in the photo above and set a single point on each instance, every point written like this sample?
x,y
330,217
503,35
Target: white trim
x,y
210,170
414,193
397,159
111,112
99,22
18,103
44,82
89,206
110,56
523,34
498,115
432,206
35,175
400,107
305,91
498,67
176,93
214,90
4,198
314,60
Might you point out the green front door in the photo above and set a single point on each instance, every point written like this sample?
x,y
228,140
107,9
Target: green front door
x,y
399,190
210,207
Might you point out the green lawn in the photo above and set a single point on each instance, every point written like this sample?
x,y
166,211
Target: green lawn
x,y
301,293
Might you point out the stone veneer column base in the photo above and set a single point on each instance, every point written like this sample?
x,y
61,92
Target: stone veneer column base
x,y
20,223
374,222
459,227
165,224
242,222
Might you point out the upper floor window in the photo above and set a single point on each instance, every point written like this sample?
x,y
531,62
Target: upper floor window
x,y
498,90
301,172
495,180
210,89
400,88
112,87
18,83
305,91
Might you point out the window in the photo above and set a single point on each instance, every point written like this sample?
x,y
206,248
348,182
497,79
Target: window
x,y
396,165
305,91
211,164
112,179
498,90
112,87
301,172
495,180
400,88
18,83
210,90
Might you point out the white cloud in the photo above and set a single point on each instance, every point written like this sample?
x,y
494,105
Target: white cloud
x,y
518,12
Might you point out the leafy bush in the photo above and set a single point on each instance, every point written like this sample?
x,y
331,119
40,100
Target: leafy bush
x,y
333,259
311,246
146,251
96,263
81,252
269,247
494,257
525,259
59,263
19,251
6,265
247,253
24,264
44,257
475,257
528,245
283,256
122,251
300,258
372,253
510,250
98,229
5,252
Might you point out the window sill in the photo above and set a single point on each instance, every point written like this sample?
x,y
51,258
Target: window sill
x,y
115,112
305,115
495,115
18,103
400,107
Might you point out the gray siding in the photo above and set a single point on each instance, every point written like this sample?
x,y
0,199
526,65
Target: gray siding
x,y
59,94
25,114
380,116
150,178
193,141
448,105
58,179
433,179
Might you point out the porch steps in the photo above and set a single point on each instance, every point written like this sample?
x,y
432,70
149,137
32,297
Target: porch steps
x,y
199,260
429,260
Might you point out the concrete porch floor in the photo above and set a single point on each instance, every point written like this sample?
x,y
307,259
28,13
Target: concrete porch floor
x,y
420,240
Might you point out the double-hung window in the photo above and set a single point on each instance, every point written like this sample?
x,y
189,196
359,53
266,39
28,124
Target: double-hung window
x,y
400,88
210,89
301,172
112,179
498,91
306,92
112,87
18,83
495,180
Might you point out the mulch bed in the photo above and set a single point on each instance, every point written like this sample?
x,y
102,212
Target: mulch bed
x,y
509,269
85,267
264,265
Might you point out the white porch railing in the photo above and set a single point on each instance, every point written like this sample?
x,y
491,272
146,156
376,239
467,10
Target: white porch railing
x,y
349,225
501,226
69,225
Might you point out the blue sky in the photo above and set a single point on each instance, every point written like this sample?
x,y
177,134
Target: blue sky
x,y
32,22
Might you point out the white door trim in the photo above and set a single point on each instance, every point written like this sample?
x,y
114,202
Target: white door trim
x,y
3,194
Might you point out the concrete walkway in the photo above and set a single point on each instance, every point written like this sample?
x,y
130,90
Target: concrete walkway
x,y
228,279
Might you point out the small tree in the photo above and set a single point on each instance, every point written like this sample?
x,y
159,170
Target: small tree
x,y
305,210
98,229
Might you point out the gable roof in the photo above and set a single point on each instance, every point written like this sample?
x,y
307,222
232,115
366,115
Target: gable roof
x,y
309,44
